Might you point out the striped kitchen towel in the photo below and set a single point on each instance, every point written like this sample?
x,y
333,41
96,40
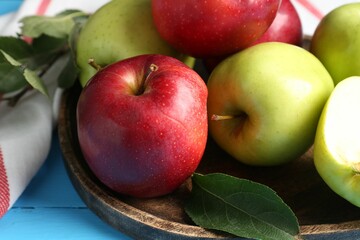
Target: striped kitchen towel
x,y
26,129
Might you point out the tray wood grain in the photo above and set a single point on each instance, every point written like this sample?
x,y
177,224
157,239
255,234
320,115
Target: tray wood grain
x,y
319,210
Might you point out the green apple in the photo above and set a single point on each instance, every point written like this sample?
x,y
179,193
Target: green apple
x,y
336,41
337,142
120,29
267,100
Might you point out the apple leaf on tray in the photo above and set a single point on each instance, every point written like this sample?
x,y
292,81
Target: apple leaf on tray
x,y
240,207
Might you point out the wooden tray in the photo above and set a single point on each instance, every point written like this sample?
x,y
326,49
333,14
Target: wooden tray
x,y
318,209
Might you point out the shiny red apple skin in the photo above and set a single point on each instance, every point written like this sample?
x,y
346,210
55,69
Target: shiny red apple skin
x,y
142,124
209,28
286,27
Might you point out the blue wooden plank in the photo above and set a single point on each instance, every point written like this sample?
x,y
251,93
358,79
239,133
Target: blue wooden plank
x,y
55,224
7,6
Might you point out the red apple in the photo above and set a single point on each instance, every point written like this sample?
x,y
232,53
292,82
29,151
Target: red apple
x,y
142,124
286,26
208,28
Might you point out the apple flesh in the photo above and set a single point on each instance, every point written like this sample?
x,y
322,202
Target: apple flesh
x,y
119,30
208,28
336,41
267,100
142,124
337,142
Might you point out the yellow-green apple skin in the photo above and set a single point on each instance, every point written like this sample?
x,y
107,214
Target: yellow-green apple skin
x,y
337,142
276,91
120,29
336,41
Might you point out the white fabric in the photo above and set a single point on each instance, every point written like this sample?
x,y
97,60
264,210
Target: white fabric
x,y
309,21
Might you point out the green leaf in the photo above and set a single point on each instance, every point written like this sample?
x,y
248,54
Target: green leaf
x,y
69,74
74,35
11,78
58,26
15,76
16,47
23,64
35,81
71,71
35,56
10,59
240,207
11,74
45,49
45,43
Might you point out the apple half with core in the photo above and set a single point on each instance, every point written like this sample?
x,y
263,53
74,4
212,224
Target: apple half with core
x,y
142,124
336,41
265,102
120,29
337,142
209,28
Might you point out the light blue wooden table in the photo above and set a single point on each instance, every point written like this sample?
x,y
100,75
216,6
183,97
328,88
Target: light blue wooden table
x,y
50,208
9,5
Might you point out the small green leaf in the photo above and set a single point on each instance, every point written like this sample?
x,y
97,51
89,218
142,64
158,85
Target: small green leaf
x,y
10,59
42,50
11,78
15,73
74,35
45,49
71,71
11,74
58,26
35,81
240,207
69,74
23,64
46,43
16,47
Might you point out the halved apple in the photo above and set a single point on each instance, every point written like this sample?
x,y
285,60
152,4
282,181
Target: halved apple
x,y
337,142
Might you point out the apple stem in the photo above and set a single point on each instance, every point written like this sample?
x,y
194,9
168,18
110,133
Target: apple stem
x,y
216,117
92,63
153,68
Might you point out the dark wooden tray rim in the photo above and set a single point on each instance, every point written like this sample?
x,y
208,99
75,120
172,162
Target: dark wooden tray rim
x,y
318,209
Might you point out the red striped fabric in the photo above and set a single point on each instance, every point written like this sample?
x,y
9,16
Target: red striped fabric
x,y
4,184
4,187
310,7
43,7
